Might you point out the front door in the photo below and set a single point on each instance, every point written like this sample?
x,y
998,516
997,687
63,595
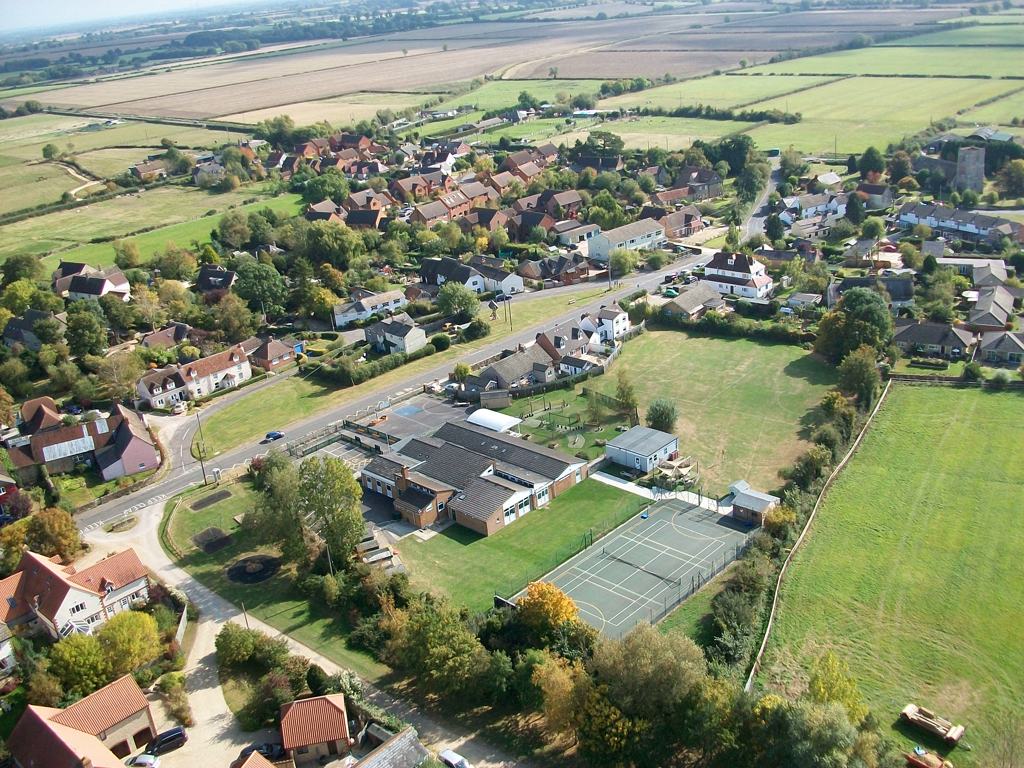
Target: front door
x,y
332,748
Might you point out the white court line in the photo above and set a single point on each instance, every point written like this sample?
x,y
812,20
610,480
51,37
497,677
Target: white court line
x,y
613,585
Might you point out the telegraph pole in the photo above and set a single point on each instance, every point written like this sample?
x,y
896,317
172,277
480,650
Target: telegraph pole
x,y
202,447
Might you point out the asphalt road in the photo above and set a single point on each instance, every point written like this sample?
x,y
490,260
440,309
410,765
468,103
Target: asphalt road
x,y
759,212
185,471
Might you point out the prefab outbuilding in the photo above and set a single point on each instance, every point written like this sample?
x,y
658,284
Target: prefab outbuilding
x,y
642,448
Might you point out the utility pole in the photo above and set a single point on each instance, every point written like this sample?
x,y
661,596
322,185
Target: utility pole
x,y
509,302
245,616
202,447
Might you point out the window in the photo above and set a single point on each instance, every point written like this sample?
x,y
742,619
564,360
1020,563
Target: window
x,y
77,608
440,506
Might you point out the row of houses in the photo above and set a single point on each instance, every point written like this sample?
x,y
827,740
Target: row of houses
x,y
972,226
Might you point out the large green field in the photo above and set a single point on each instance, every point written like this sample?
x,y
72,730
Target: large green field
x,y
27,185
471,568
498,94
984,36
912,570
858,112
717,91
1002,111
274,601
63,232
743,405
949,61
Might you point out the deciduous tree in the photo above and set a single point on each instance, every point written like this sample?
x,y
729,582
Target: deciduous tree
x,y
545,607
330,496
625,393
52,531
79,663
831,682
118,372
662,414
858,375
129,640
455,299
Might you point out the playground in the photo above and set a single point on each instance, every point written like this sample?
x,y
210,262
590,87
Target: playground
x,y
647,566
418,416
571,420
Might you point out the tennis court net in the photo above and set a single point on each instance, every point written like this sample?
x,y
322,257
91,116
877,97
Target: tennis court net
x,y
645,569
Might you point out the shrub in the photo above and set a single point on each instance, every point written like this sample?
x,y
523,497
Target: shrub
x,y
441,341
827,435
269,653
973,371
477,329
1000,380
235,645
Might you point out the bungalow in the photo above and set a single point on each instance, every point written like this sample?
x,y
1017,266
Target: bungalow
x,y
898,291
214,280
640,235
496,277
992,311
1002,348
100,730
642,448
572,232
272,355
366,307
876,197
314,730
441,270
325,210
524,367
932,339
802,300
984,273
396,334
738,274
167,337
860,252
60,600
750,506
694,301
563,269
22,330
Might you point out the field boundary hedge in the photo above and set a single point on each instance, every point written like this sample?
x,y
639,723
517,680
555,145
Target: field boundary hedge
x,y
756,666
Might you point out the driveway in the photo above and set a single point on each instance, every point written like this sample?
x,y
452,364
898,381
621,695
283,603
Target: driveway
x,y
216,739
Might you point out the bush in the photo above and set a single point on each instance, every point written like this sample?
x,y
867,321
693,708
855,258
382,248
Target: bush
x,y
235,645
973,371
477,329
1000,380
441,341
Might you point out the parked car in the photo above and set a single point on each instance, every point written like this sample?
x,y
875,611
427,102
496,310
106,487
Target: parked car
x,y
670,277
167,741
179,408
144,760
271,751
453,759
671,293
502,297
73,408
272,436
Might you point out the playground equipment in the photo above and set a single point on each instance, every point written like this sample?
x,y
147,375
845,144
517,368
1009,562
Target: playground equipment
x,y
927,720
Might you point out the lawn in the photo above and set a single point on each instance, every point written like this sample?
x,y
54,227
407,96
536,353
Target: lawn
x,y
274,601
902,61
720,91
543,414
471,569
693,617
499,94
854,113
295,399
744,406
535,130
68,234
912,571
81,489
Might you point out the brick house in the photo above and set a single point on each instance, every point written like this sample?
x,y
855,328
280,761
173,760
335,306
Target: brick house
x,y
315,729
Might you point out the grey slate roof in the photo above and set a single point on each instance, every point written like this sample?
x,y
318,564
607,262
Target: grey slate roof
x,y
642,440
692,297
515,366
507,450
446,267
454,465
402,750
941,334
482,496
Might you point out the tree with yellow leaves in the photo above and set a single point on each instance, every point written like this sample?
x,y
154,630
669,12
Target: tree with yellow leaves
x,y
831,681
544,608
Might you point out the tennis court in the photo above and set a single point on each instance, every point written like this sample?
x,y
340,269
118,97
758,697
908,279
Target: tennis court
x,y
645,567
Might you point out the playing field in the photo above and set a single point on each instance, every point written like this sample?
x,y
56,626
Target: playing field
x,y
69,232
743,406
896,61
642,569
845,114
722,91
912,570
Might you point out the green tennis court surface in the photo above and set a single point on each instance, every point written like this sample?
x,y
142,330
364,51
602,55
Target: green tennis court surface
x,y
644,568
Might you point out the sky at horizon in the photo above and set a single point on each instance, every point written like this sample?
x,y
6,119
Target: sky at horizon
x,y
64,13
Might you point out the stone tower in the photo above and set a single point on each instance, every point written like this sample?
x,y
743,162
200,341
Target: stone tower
x,y
970,169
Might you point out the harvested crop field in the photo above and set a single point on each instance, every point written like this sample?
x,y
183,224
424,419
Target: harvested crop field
x,y
611,10
912,570
728,40
845,114
614,64
722,91
860,20
903,61
338,111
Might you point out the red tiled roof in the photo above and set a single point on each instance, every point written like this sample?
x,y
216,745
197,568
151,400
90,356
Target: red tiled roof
x,y
39,742
40,413
214,363
102,710
314,721
117,570
10,606
255,760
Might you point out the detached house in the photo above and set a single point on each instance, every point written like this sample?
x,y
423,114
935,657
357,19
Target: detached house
x,y
272,355
694,301
1002,348
496,277
99,731
315,729
640,235
609,323
22,330
700,183
992,311
59,600
439,271
75,281
214,280
397,334
738,274
163,387
932,339
366,307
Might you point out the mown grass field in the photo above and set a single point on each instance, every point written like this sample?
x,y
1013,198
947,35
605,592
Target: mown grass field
x,y
982,35
536,130
744,407
68,233
717,91
855,113
542,414
664,132
471,569
896,61
273,601
498,94
295,399
27,185
1002,111
912,570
